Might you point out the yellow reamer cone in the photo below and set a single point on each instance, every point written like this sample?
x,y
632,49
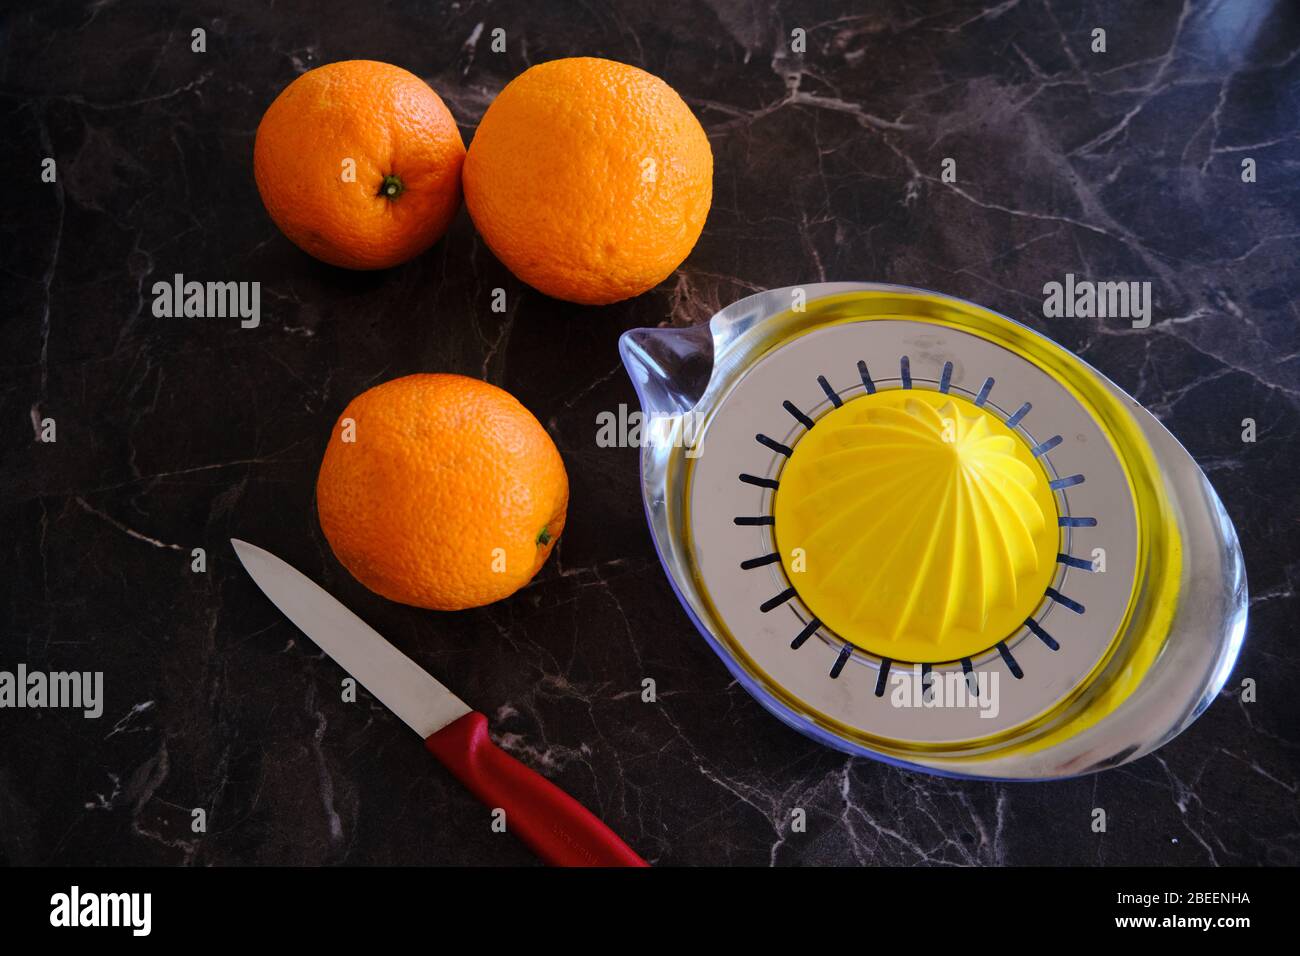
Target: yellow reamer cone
x,y
916,525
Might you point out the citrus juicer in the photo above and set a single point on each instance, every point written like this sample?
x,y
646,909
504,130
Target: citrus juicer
x,y
916,530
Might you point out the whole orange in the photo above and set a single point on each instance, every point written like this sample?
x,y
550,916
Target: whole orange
x,y
589,179
441,491
359,164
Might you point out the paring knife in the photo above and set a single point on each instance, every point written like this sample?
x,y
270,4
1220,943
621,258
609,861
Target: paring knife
x,y
561,831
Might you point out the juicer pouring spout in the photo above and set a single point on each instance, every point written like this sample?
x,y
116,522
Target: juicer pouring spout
x,y
669,367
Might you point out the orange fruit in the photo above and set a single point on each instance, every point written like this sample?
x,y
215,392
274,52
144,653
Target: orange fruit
x,y
589,179
450,494
359,164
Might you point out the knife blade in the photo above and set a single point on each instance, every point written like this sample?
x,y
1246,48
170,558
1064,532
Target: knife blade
x,y
400,684
558,829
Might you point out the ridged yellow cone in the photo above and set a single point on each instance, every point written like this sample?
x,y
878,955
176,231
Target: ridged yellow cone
x,y
916,525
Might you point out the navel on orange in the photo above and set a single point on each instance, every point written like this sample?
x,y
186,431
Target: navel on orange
x,y
441,491
589,179
359,164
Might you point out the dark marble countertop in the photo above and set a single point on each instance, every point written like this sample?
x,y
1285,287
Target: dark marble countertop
x,y
174,434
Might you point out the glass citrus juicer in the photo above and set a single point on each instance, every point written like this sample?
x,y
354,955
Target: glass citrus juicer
x,y
916,530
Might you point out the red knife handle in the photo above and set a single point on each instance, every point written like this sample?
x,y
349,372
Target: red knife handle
x,y
560,830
